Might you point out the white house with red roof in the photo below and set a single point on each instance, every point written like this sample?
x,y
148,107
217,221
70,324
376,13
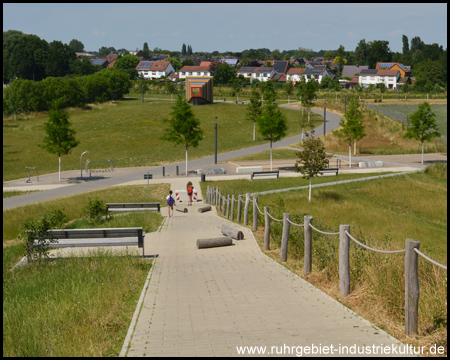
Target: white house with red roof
x,y
154,69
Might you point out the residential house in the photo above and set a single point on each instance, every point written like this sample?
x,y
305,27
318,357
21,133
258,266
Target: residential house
x,y
373,77
100,62
352,70
295,74
230,61
110,57
154,69
81,55
405,70
194,71
263,73
281,67
246,71
299,61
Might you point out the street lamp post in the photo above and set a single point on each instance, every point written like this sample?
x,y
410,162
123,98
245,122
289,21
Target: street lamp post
x,y
215,146
324,118
345,105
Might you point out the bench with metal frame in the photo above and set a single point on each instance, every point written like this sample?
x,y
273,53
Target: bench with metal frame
x,y
121,207
96,237
336,170
265,173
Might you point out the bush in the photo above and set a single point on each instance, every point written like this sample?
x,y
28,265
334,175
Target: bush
x,y
32,230
95,210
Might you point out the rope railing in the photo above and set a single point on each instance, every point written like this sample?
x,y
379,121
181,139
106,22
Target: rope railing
x,y
274,218
411,252
323,232
430,260
376,250
259,208
293,223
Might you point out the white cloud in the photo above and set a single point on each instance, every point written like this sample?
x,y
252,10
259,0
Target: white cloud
x,y
98,33
397,32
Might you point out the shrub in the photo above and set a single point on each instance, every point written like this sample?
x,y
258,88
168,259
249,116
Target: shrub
x,y
32,230
95,210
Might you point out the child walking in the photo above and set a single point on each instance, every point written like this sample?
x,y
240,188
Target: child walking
x,y
190,190
170,202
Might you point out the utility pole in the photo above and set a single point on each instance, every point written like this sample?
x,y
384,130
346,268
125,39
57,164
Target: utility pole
x,y
215,147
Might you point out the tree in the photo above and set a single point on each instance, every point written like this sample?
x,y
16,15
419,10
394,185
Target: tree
x,y
272,123
145,48
405,48
254,109
60,139
128,64
224,74
183,127
58,59
422,125
183,49
329,55
289,89
76,45
312,158
351,126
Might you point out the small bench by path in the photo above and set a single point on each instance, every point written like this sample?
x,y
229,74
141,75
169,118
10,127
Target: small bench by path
x,y
335,170
96,237
120,207
265,173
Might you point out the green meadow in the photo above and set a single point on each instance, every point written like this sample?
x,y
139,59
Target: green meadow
x,y
128,132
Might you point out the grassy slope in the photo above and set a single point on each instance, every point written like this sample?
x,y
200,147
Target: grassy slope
x,y
127,132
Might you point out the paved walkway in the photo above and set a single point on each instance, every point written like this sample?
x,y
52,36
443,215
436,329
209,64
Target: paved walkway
x,y
206,302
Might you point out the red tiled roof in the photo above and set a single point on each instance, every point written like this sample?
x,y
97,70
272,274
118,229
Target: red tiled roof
x,y
387,73
293,71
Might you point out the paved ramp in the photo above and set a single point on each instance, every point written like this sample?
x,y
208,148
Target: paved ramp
x,y
208,302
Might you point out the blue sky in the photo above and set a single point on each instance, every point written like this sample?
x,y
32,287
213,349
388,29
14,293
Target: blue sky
x,y
229,27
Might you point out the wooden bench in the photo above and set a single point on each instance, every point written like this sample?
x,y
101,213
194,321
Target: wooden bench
x,y
265,173
116,207
96,237
336,170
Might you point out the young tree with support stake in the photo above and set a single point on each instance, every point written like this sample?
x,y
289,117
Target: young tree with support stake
x,y
351,126
183,128
422,125
60,137
312,159
254,109
272,123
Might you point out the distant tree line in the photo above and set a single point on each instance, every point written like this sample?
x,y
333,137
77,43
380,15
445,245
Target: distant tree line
x,y
24,95
29,57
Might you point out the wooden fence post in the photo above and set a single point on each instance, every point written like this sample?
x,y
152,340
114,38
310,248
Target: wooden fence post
x,y
247,204
285,237
344,260
266,228
232,208
308,243
255,212
219,197
228,206
412,290
223,204
239,210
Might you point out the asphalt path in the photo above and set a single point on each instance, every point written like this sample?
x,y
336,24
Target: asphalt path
x,y
332,123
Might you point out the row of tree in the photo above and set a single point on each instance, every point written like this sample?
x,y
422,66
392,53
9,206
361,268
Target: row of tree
x,y
27,95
